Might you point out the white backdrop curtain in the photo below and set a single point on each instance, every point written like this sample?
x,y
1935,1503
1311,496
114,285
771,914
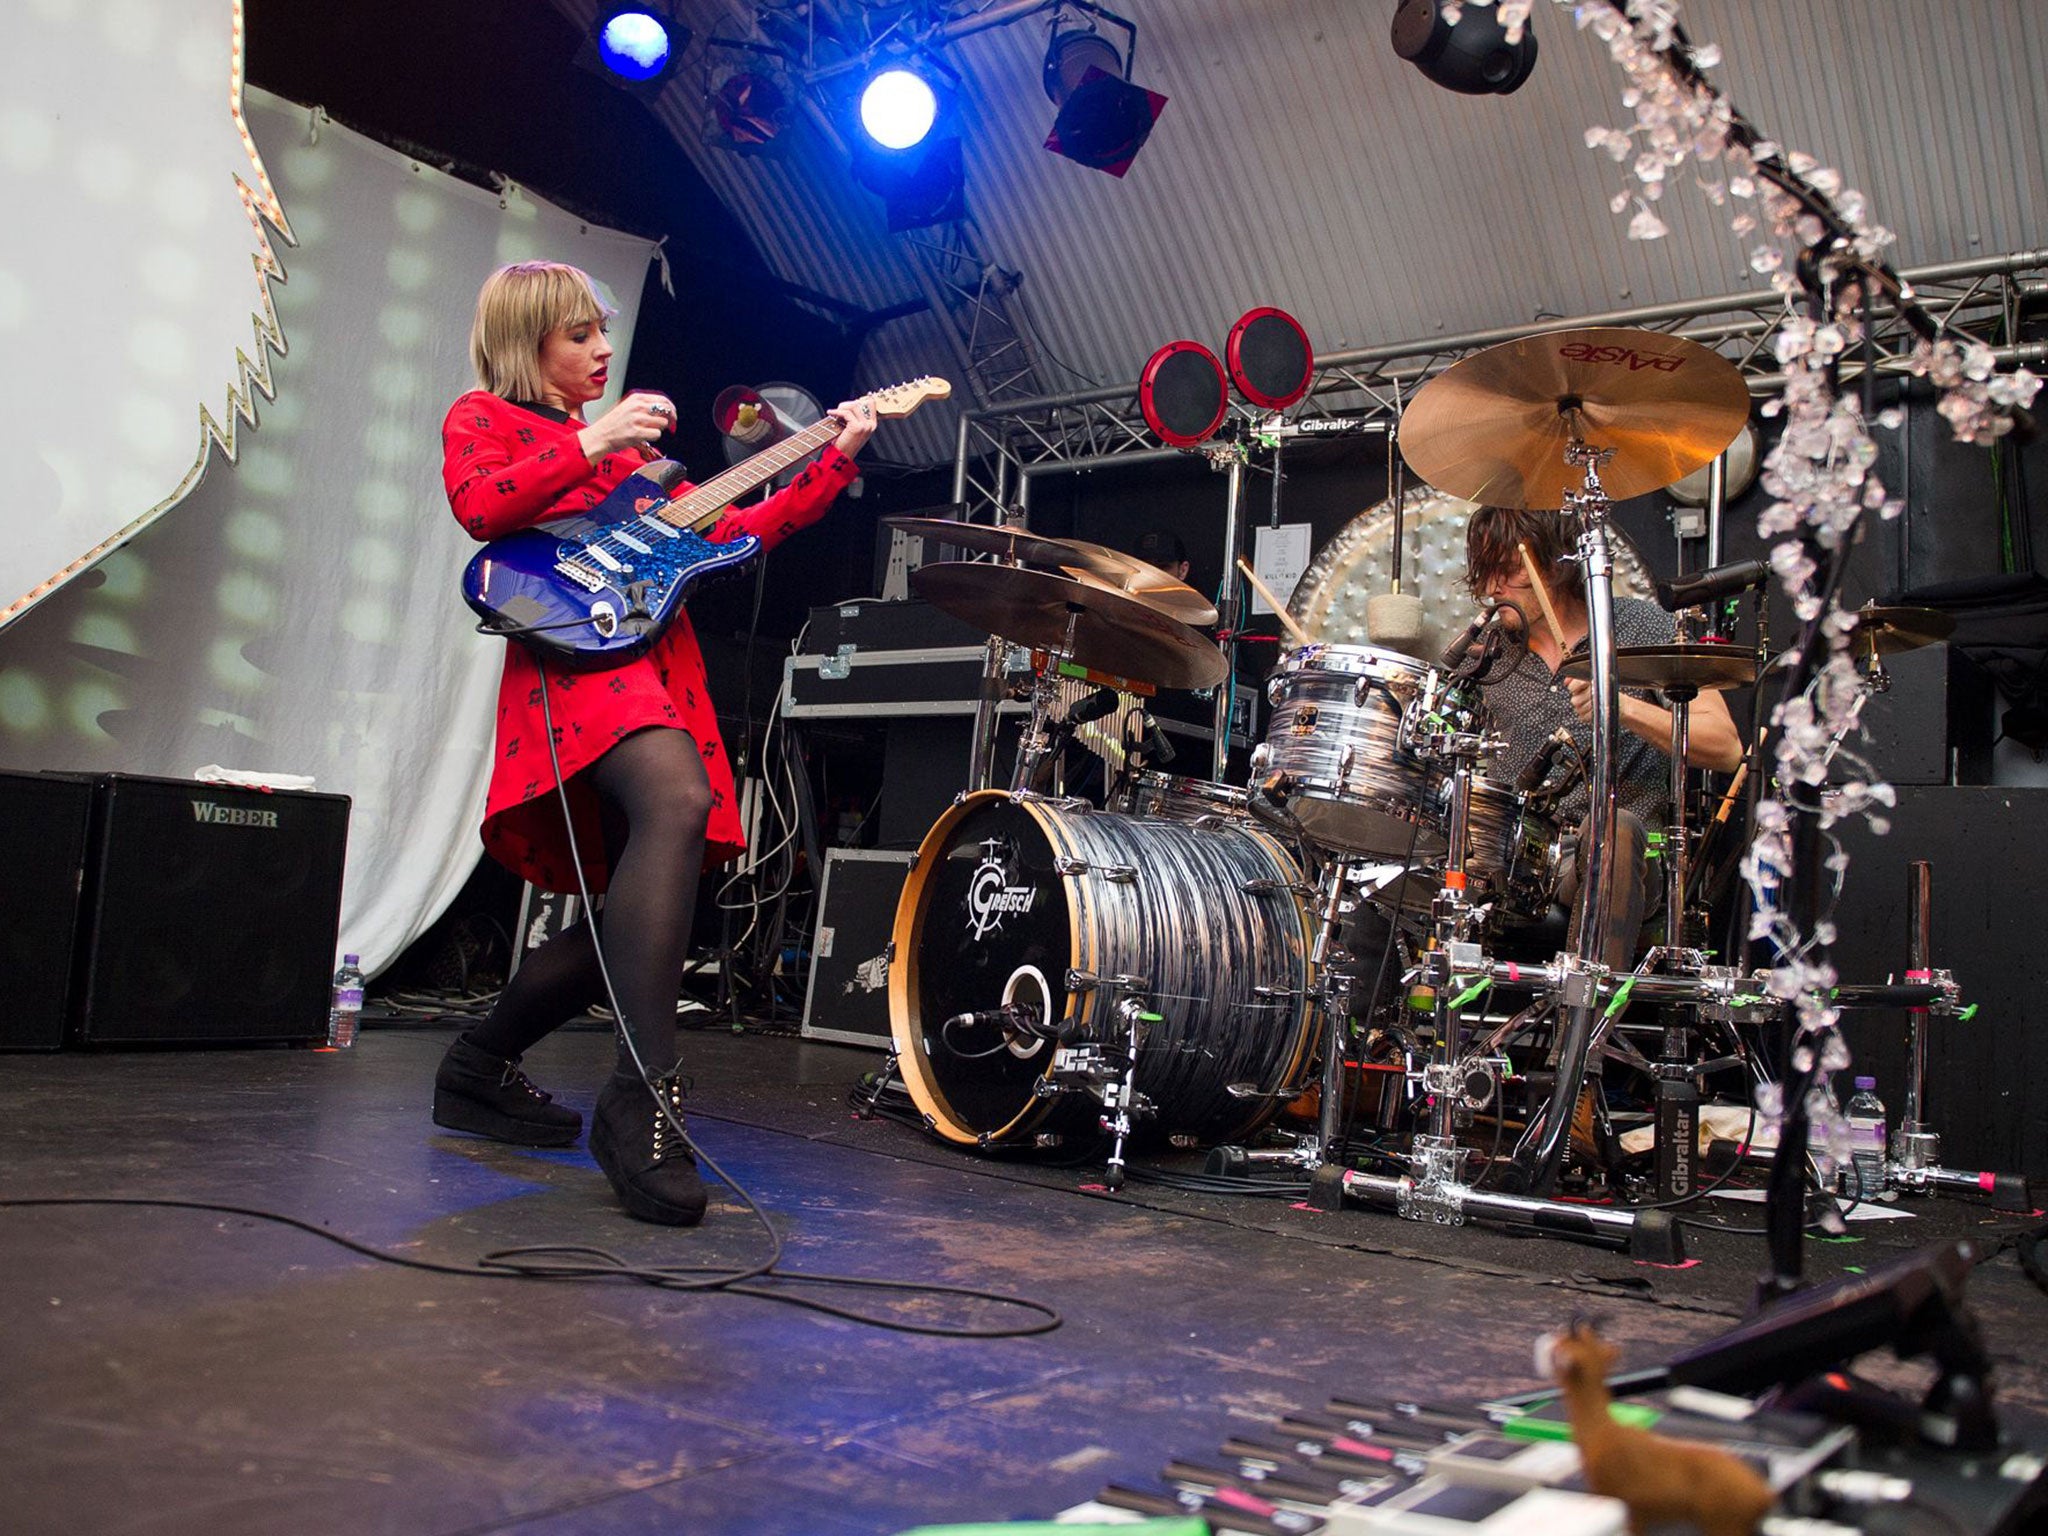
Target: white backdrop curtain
x,y
299,612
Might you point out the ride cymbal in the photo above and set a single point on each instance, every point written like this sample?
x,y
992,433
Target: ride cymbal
x,y
1493,427
1111,630
1708,668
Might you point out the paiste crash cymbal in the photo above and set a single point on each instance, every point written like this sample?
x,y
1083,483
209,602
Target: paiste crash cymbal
x,y
1112,631
1493,428
1147,583
1887,631
1708,668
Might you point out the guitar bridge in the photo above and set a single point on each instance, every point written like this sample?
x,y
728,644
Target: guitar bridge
x,y
582,575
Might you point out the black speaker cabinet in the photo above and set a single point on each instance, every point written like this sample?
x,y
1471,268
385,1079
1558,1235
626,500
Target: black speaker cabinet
x,y
43,821
211,913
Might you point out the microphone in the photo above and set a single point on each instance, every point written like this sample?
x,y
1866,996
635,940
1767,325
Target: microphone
x,y
1545,759
1156,747
1707,586
1101,702
1012,1018
1454,653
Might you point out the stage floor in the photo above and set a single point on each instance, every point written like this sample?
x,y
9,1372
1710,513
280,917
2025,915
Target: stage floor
x,y
174,1370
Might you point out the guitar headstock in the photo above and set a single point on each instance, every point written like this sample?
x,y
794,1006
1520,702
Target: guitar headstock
x,y
902,399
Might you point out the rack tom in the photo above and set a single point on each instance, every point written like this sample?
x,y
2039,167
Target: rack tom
x,y
1338,758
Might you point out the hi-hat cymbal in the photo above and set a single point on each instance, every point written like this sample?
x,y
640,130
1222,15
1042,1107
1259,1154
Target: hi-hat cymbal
x,y
1887,631
1112,631
1147,583
1015,544
1493,427
1708,668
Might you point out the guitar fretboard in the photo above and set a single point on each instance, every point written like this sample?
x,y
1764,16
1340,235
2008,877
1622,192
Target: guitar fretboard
x,y
700,508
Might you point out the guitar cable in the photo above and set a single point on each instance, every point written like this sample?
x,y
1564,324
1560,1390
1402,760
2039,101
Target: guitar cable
x,y
559,1261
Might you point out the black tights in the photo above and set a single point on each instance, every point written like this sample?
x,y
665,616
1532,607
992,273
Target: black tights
x,y
656,802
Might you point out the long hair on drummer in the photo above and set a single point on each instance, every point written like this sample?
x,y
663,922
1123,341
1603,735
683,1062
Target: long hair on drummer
x,y
1491,554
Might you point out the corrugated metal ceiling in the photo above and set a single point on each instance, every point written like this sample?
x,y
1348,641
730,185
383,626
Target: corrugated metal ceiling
x,y
1299,162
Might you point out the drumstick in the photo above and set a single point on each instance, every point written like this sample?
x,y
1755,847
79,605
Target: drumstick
x,y
1542,596
1734,790
1301,636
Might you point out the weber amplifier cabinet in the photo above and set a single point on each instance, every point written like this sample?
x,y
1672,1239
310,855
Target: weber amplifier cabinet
x,y
848,1000
211,913
43,822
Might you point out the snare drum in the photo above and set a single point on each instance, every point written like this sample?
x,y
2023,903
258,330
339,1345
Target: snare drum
x,y
1014,898
1336,756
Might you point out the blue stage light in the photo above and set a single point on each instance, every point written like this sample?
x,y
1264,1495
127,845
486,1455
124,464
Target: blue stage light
x,y
898,108
635,45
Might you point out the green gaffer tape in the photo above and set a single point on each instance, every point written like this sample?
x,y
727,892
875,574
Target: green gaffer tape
x,y
1620,997
1171,1525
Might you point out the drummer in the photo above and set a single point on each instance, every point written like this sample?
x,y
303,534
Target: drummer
x,y
1531,701
1163,548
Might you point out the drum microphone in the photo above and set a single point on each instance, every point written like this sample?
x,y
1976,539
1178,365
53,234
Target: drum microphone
x,y
1157,748
1708,586
1454,653
1545,759
1013,1019
1101,702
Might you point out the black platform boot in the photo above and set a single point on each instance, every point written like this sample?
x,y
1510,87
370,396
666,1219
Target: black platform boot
x,y
648,1163
489,1096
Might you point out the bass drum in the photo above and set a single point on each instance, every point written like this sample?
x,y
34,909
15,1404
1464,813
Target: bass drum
x,y
1016,899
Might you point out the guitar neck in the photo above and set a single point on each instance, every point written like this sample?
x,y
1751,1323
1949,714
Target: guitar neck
x,y
700,508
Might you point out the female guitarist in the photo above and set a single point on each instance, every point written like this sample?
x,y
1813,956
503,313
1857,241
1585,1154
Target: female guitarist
x,y
649,790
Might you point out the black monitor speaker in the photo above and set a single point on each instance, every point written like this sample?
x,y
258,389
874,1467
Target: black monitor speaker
x,y
211,913
43,821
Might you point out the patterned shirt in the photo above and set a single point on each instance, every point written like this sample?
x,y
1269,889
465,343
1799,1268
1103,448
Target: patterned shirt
x,y
1531,702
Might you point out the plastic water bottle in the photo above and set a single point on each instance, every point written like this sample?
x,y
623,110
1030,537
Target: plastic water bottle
x,y
1865,1114
347,1006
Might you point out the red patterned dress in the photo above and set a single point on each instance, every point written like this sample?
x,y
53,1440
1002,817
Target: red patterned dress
x,y
508,467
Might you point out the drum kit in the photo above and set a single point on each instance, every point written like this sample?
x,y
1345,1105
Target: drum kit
x,y
1177,962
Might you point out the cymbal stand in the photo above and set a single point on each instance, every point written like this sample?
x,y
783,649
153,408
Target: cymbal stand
x,y
1915,1151
1581,968
1040,736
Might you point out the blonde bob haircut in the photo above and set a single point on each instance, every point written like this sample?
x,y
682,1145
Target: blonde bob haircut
x,y
516,308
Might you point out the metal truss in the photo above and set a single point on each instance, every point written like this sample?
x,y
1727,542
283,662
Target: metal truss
x,y
1001,447
977,302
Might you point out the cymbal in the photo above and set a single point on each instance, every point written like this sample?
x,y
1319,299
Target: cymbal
x,y
1887,631
1113,631
1016,544
1708,668
1493,427
1147,583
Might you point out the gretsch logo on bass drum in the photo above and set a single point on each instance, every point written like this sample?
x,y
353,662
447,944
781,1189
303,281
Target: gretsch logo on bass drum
x,y
1587,352
990,896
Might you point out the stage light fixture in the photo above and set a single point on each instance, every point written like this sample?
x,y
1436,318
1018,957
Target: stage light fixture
x,y
749,106
1103,118
898,107
1473,56
635,46
923,185
906,145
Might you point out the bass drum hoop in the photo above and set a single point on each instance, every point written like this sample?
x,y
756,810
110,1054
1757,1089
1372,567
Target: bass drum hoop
x,y
906,1014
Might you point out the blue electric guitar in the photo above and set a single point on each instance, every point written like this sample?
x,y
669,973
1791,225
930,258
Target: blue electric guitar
x,y
598,588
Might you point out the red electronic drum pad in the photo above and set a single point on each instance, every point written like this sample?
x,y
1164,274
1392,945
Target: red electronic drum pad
x,y
1270,359
1182,394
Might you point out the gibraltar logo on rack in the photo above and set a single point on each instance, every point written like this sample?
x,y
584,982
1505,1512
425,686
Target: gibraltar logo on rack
x,y
990,896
